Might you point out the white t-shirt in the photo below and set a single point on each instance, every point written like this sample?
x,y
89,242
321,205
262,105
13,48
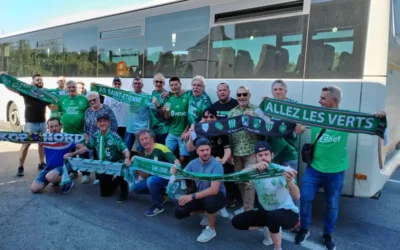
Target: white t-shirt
x,y
119,109
273,194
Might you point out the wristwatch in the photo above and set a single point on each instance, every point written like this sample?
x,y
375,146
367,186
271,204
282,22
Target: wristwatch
x,y
194,196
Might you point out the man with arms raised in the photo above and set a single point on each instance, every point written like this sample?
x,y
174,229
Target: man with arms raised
x,y
210,196
54,158
35,122
326,170
154,185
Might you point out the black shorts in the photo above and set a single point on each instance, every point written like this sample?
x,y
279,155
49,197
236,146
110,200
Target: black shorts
x,y
210,204
260,218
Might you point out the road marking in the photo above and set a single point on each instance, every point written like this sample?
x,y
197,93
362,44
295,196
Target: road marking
x,y
9,182
395,181
290,237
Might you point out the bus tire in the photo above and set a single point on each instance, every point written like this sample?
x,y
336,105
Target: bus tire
x,y
13,117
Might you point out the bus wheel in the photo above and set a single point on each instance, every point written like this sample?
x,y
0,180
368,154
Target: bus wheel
x,y
13,118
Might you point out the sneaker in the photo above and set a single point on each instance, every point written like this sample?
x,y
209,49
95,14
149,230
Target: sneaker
x,y
164,199
267,237
20,171
122,198
67,187
223,213
85,179
231,202
153,211
183,185
302,235
96,182
206,235
328,242
296,228
204,220
239,211
41,166
73,175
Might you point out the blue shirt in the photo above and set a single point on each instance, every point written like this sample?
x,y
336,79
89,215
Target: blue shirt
x,y
137,117
211,167
55,153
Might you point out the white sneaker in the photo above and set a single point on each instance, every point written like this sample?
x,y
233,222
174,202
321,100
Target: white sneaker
x,y
183,185
204,220
85,179
239,211
206,235
96,182
267,237
223,213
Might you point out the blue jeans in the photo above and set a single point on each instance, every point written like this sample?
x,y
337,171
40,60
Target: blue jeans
x,y
312,181
174,141
153,186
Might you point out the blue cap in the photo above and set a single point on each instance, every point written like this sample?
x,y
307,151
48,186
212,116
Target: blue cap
x,y
202,141
103,116
117,79
262,146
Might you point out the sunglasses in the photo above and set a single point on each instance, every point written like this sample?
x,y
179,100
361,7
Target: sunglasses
x,y
92,100
159,82
242,94
209,116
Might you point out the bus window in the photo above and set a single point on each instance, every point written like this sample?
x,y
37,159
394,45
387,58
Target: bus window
x,y
336,39
177,43
260,49
396,17
121,57
16,58
80,52
48,58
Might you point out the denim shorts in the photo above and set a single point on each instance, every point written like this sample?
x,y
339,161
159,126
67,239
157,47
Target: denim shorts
x,y
173,141
35,127
41,177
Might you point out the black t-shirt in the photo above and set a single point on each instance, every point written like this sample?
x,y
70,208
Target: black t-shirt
x,y
223,109
35,109
218,144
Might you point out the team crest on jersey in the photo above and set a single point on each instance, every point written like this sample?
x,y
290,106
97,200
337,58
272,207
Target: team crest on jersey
x,y
110,142
205,127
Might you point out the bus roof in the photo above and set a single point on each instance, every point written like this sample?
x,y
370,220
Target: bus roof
x,y
91,15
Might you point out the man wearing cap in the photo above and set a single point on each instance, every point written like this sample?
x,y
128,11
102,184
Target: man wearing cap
x,y
276,197
109,147
119,108
210,196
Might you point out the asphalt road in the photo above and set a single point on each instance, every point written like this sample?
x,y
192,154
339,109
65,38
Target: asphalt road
x,y
84,220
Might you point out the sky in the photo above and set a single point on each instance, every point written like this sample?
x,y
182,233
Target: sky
x,y
21,15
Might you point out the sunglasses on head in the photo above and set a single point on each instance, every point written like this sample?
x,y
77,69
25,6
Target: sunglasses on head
x,y
242,94
158,81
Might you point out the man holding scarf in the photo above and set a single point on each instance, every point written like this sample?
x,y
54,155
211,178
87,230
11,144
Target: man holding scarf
x,y
109,147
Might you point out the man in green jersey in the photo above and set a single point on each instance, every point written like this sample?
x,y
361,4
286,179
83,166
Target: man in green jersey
x,y
72,109
175,110
154,185
326,170
60,91
109,147
158,123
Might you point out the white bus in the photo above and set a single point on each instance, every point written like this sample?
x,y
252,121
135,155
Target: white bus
x,y
354,44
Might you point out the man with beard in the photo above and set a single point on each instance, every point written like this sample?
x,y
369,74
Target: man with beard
x,y
35,122
210,196
225,103
54,158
